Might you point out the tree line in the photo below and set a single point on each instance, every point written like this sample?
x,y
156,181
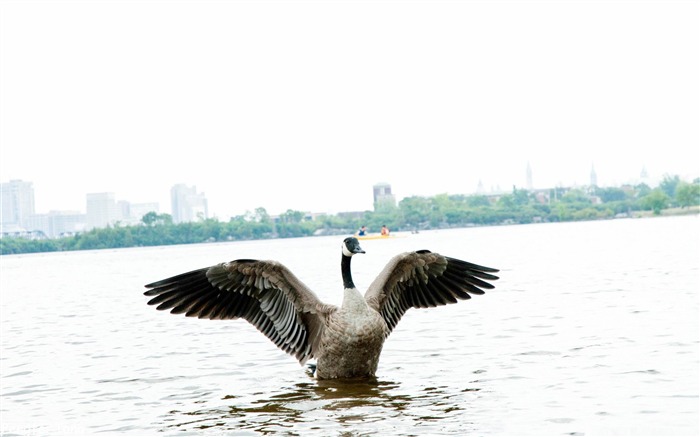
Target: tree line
x,y
411,214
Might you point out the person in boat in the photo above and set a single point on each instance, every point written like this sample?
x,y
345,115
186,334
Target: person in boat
x,y
385,230
363,231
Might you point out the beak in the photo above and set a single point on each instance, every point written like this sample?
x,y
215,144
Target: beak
x,y
358,249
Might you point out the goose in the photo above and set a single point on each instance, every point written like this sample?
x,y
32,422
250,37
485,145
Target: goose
x,y
345,341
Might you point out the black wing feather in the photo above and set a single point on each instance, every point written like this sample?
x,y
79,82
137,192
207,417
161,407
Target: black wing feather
x,y
264,293
424,279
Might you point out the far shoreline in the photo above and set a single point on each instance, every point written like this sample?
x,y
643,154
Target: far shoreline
x,y
665,213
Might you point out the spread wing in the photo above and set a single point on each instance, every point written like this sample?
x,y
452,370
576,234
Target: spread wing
x,y
265,293
424,279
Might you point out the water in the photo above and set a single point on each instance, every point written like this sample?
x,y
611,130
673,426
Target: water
x,y
593,329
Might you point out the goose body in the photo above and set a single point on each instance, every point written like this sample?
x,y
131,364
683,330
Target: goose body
x,y
352,340
346,341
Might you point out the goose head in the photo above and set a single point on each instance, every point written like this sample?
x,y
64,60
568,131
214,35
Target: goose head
x,y
351,246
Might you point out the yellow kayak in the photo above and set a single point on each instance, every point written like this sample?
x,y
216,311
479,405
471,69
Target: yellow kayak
x,y
374,237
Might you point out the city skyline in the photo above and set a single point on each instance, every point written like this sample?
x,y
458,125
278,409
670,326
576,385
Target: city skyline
x,y
199,200
305,106
18,215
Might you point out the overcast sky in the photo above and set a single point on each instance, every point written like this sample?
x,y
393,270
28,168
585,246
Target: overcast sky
x,y
306,105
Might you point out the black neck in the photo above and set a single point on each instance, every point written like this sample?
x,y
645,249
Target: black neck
x,y
345,269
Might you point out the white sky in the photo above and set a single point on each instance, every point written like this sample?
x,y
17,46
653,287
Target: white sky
x,y
306,105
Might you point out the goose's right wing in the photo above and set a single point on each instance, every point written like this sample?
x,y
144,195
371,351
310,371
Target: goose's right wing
x,y
265,293
424,279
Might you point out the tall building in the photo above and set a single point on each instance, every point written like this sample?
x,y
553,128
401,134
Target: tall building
x,y
594,177
17,203
382,195
101,210
528,176
187,204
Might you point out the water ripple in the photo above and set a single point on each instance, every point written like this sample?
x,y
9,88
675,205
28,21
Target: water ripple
x,y
588,347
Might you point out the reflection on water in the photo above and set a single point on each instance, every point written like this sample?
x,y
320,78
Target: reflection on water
x,y
315,404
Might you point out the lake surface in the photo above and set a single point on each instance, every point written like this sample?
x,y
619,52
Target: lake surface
x,y
592,329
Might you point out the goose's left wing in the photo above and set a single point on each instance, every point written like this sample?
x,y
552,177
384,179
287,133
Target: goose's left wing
x,y
424,279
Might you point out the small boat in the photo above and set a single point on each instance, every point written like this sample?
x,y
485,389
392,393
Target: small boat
x,y
374,237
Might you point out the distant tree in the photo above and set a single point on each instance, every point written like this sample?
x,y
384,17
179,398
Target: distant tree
x,y
576,196
415,210
612,194
149,219
562,212
261,215
642,190
506,201
211,229
475,201
669,184
384,216
520,197
688,194
656,201
291,216
441,203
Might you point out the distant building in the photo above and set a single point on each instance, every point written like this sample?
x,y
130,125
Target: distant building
x,y
102,210
644,176
187,204
528,177
58,224
16,204
132,213
123,211
594,177
313,216
138,210
382,195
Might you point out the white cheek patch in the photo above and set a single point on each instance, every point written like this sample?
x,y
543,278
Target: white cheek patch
x,y
346,252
